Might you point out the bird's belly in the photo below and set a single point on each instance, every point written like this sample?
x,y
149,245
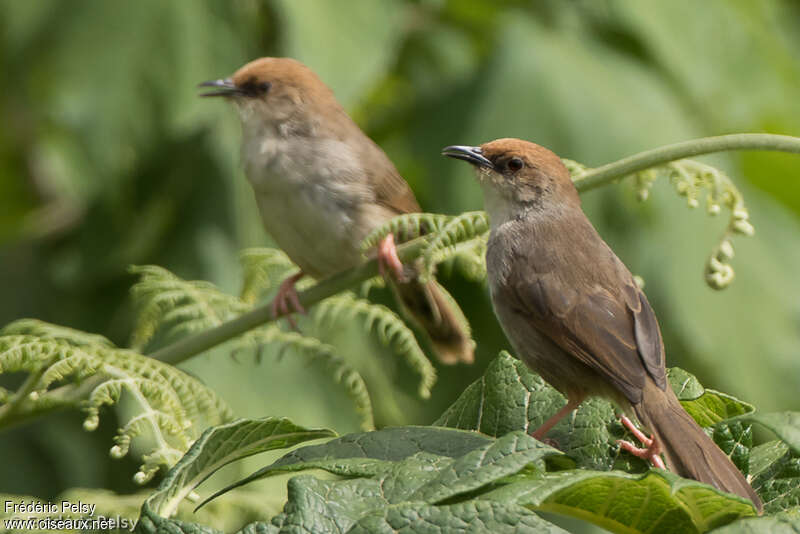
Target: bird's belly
x,y
561,370
316,233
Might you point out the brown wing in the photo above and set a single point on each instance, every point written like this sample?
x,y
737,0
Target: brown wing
x,y
391,190
610,327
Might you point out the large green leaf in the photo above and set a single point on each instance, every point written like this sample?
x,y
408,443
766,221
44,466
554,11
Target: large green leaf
x,y
369,454
787,523
361,506
415,467
316,33
467,517
786,426
510,396
657,501
217,447
776,476
707,406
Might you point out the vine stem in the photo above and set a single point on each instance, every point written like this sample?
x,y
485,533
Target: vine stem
x,y
600,176
189,346
587,180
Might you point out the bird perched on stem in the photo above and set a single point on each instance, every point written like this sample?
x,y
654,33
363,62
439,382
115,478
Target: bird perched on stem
x,y
322,186
574,313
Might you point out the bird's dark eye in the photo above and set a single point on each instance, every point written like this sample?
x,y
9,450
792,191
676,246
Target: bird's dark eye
x,y
514,164
255,88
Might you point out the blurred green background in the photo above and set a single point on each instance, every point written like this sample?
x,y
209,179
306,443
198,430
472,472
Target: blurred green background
x,y
108,158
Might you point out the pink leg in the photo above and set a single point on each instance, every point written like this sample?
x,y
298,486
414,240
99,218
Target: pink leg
x,y
652,448
572,404
286,302
388,260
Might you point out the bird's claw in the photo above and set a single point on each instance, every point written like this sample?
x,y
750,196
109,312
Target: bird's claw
x,y
652,448
388,260
286,301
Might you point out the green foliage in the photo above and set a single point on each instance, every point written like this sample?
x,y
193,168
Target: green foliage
x,y
109,159
462,237
415,479
176,307
218,447
690,179
68,368
390,330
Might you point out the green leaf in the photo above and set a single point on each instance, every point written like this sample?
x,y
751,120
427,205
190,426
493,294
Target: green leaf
x,y
471,516
167,405
506,456
507,397
776,476
331,506
388,476
364,454
390,444
707,406
778,524
218,447
149,524
766,454
684,384
735,438
785,425
656,501
362,506
510,396
312,30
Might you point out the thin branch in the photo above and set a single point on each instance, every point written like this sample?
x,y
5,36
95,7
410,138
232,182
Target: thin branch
x,y
188,347
600,176
590,179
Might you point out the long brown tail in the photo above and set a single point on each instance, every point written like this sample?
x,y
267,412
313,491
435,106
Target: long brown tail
x,y
436,312
688,450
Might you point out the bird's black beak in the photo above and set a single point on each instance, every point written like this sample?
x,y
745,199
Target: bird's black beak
x,y
224,87
471,154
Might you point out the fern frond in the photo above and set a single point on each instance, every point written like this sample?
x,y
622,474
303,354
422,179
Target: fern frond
x,y
263,270
166,301
405,228
692,179
368,285
458,230
181,307
315,350
472,261
42,330
390,329
172,407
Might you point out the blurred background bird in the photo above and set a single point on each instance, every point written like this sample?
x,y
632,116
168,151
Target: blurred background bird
x,y
322,186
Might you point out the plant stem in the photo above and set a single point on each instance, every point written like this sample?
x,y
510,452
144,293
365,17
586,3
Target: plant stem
x,y
589,179
600,176
188,347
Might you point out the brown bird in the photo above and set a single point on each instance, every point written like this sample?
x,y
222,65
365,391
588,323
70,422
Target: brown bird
x,y
574,313
322,186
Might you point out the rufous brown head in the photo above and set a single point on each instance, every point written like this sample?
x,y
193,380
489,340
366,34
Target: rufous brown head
x,y
517,174
274,89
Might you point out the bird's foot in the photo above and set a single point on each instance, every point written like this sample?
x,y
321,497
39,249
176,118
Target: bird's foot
x,y
388,260
652,448
286,301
